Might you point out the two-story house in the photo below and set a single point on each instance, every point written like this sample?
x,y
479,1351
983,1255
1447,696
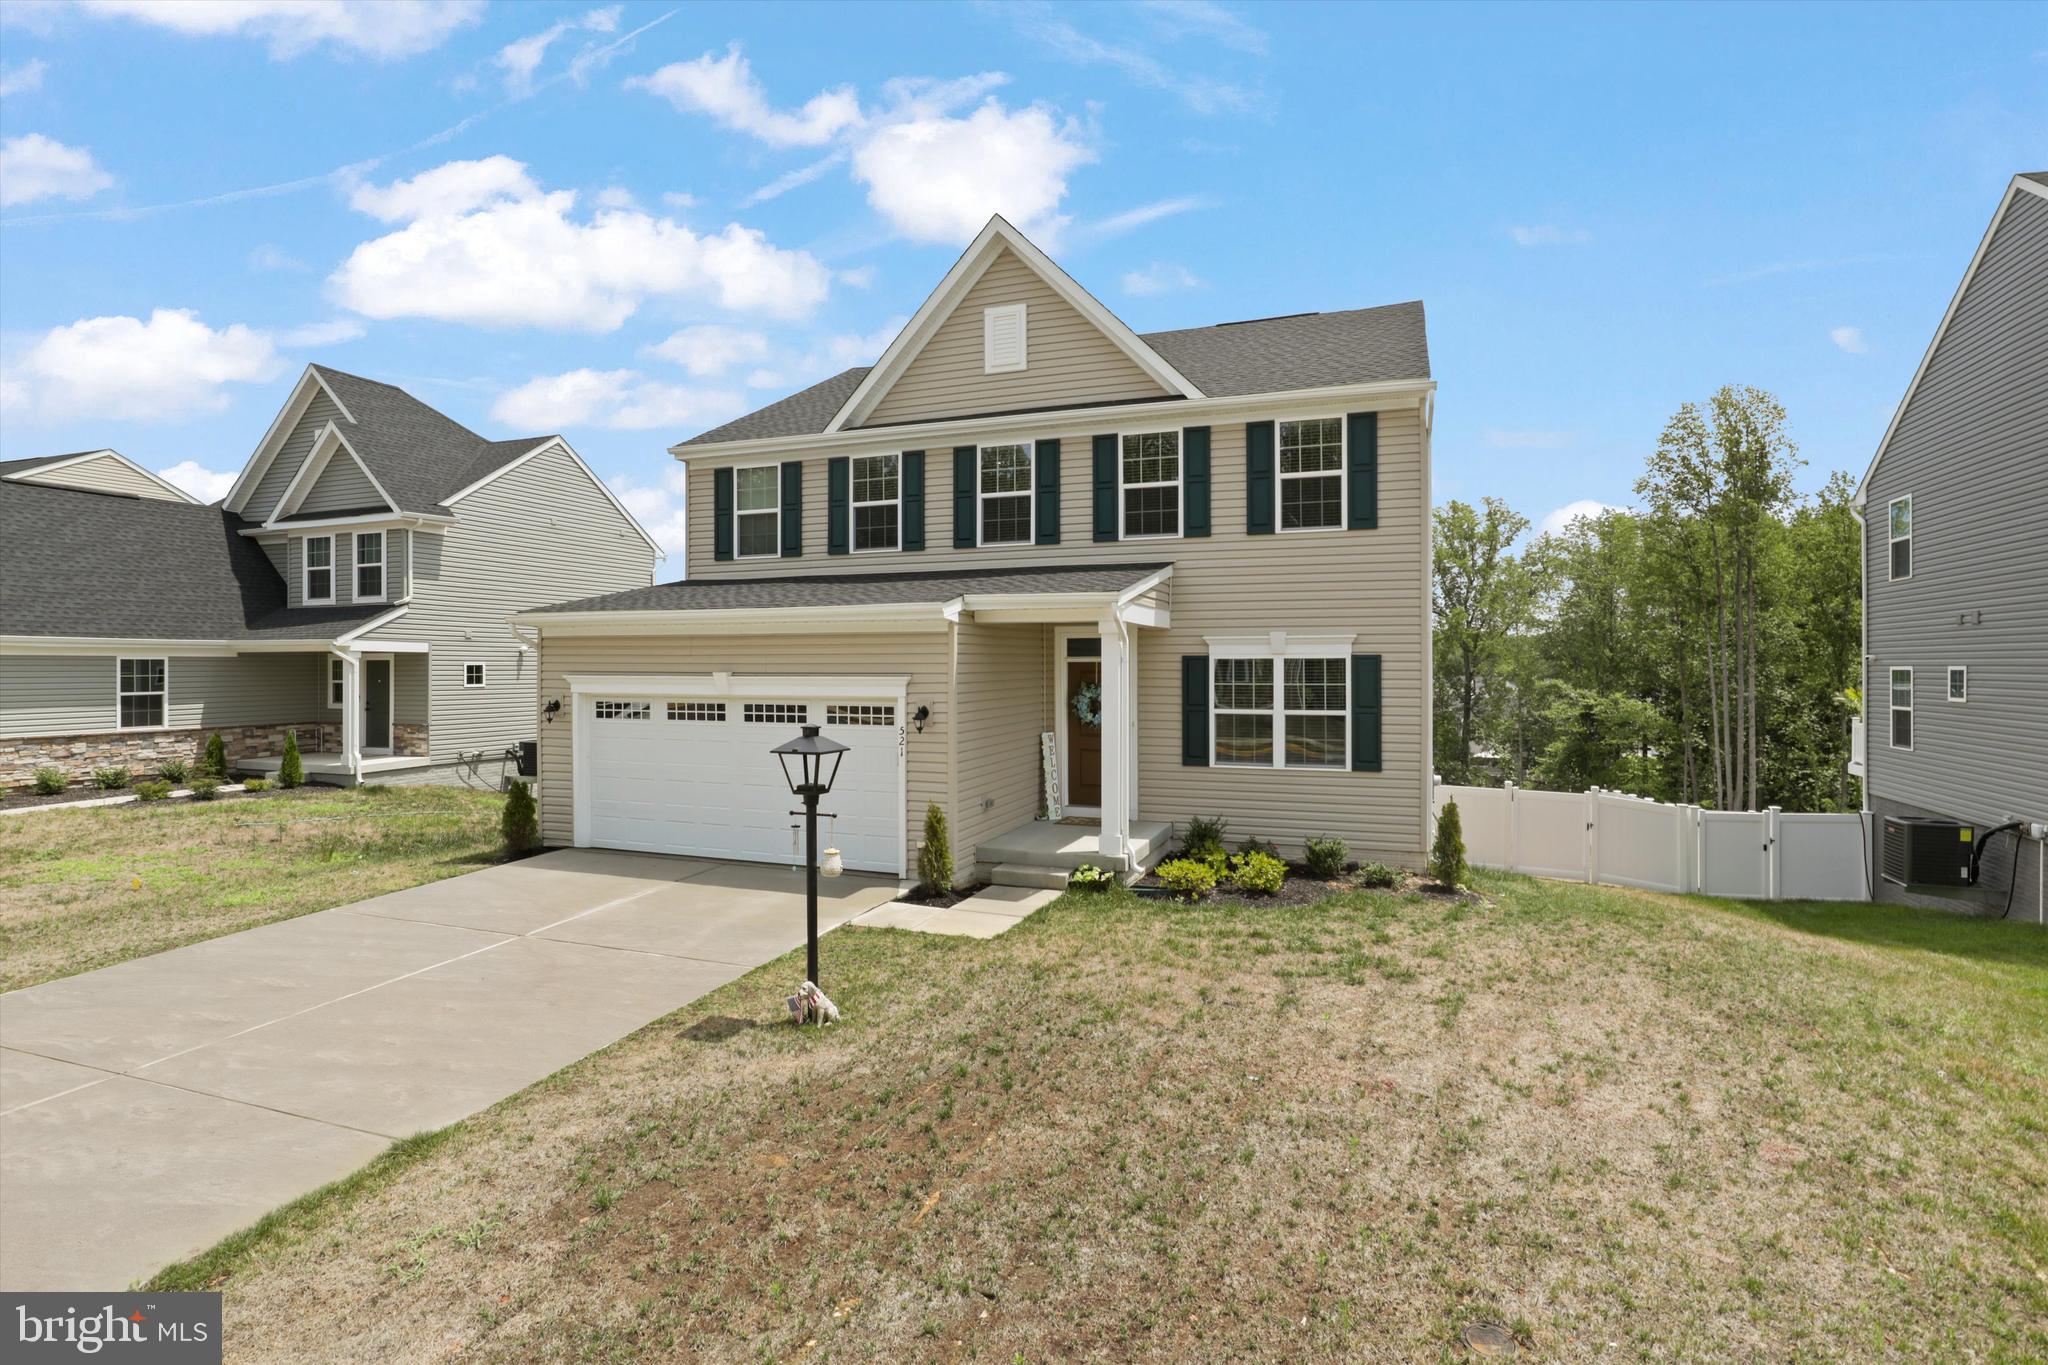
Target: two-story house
x,y
1073,584
1955,555
354,587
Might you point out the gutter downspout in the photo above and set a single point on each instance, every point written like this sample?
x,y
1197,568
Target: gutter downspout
x,y
1870,851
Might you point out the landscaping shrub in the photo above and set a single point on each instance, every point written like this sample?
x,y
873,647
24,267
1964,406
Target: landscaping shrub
x,y
152,791
1188,878
1379,875
1447,858
1325,856
215,764
255,784
1204,836
1258,874
174,771
291,772
205,788
1089,877
935,855
520,823
49,781
1254,844
110,779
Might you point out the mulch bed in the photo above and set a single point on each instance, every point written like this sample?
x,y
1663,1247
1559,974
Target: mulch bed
x,y
71,796
1302,889
917,896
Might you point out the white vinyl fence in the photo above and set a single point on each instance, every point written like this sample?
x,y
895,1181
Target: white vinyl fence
x,y
1623,840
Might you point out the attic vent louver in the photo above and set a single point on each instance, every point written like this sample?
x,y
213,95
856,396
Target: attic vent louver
x,y
1002,338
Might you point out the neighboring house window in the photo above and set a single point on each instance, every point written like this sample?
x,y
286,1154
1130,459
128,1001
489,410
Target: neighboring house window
x,y
875,511
142,693
1902,537
757,511
472,675
335,684
1151,475
1002,338
319,585
1902,708
1312,474
1959,684
1308,712
1006,494
369,565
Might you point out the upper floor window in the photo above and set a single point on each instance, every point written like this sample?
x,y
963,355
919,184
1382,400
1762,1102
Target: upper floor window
x,y
142,690
1902,537
757,511
319,585
369,566
876,514
1902,708
1151,480
1002,338
1006,494
1312,474
1958,683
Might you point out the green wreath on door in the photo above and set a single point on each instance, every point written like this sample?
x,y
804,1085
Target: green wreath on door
x,y
1088,705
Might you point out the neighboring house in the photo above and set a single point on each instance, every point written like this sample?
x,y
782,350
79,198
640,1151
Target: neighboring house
x,y
354,587
1198,559
1955,525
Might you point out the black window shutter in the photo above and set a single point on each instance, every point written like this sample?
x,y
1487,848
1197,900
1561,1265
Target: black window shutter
x,y
1365,713
721,513
1258,478
1194,710
1105,488
912,488
1194,473
792,508
838,504
964,535
1363,442
1046,470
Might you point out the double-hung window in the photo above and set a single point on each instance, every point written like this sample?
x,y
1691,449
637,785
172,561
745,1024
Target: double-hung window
x,y
876,513
1307,712
319,585
142,692
1151,482
369,566
1902,708
757,511
1312,474
1902,537
335,685
1958,682
1006,494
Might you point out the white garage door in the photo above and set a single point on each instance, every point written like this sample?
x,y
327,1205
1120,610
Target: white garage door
x,y
695,775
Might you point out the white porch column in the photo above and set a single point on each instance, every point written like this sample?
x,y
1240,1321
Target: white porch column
x,y
1116,719
352,712
1130,642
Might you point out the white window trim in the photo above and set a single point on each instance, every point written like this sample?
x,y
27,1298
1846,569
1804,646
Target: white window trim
x,y
1893,540
163,659
1892,709
854,504
383,563
306,570
1180,483
1343,475
775,511
1030,496
1278,649
989,316
483,673
1954,669
336,683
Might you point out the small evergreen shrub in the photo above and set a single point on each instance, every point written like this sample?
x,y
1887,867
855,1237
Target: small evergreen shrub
x,y
935,855
215,764
110,779
205,789
520,824
1188,878
1254,844
1447,858
1379,876
49,781
255,784
1325,856
291,772
1204,836
1089,877
152,791
1258,874
174,771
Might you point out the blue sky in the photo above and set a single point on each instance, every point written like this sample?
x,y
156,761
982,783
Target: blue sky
x,y
629,223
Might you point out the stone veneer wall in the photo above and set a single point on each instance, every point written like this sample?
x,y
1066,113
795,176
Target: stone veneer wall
x,y
142,750
409,740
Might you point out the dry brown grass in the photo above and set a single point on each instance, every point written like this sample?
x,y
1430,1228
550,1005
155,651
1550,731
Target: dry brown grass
x,y
1620,1124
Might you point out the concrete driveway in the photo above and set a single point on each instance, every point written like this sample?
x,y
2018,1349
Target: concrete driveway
x,y
151,1108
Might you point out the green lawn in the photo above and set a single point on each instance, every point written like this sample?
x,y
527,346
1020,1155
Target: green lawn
x,y
85,888
1620,1124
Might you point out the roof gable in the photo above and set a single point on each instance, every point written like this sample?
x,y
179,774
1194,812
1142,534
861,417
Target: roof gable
x,y
99,471
333,478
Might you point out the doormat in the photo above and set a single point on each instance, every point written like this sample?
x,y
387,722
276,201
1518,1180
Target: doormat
x,y
1079,820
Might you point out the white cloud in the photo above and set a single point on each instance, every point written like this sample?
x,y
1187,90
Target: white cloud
x,y
937,178
270,256
678,200
789,180
1556,522
1528,440
859,277
521,59
1850,339
726,89
1203,92
368,28
1545,234
1119,223
622,400
322,333
709,350
659,507
825,356
487,246
207,485
25,79
125,369
1206,19
1160,277
35,167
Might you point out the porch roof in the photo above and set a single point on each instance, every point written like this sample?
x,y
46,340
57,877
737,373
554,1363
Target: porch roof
x,y
1083,583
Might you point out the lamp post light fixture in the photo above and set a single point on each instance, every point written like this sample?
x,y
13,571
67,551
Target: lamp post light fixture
x,y
810,763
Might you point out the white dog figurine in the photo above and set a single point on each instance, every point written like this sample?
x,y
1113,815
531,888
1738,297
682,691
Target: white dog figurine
x,y
812,1006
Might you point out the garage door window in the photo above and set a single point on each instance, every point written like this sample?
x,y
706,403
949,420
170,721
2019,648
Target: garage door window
x,y
860,715
776,713
696,710
623,710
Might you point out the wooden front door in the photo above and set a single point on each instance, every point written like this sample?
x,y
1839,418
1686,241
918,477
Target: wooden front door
x,y
1084,741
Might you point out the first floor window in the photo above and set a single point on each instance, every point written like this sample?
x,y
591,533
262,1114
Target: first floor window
x,y
1244,712
472,675
1902,537
875,510
1151,475
369,565
1307,711
334,681
319,569
1006,495
1902,708
1312,474
1959,684
1315,713
757,510
142,693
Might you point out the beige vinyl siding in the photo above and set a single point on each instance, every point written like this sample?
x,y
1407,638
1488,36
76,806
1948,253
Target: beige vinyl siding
x,y
1000,690
320,410
923,656
60,694
342,486
103,474
1068,359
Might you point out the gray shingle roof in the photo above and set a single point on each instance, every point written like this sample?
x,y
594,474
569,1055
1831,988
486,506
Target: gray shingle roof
x,y
1228,360
862,590
2038,177
77,563
419,455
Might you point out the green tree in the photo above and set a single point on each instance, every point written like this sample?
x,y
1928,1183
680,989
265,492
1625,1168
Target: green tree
x,y
1483,594
520,822
1447,855
290,771
935,854
216,762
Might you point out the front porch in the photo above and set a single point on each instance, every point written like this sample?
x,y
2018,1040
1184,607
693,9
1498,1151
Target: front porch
x,y
1062,845
333,768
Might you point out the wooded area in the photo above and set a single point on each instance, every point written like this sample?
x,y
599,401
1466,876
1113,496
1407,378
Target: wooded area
x,y
1701,647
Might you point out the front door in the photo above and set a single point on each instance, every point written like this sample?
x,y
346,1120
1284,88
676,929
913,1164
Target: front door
x,y
377,704
1084,729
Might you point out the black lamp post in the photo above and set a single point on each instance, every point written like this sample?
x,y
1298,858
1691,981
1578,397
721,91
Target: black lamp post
x,y
810,762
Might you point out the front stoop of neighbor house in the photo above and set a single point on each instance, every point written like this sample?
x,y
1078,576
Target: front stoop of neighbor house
x,y
1043,853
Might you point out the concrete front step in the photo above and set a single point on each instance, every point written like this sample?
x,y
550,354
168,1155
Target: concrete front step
x,y
1018,874
1043,844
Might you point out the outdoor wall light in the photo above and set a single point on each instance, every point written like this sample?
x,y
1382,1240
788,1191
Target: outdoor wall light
x,y
552,709
921,715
